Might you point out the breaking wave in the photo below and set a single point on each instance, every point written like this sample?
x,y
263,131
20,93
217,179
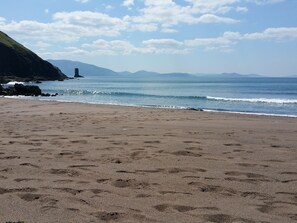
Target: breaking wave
x,y
203,98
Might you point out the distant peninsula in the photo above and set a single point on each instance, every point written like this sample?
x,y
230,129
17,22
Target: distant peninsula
x,y
17,63
90,70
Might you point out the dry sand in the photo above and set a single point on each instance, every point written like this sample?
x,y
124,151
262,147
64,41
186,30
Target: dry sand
x,y
69,162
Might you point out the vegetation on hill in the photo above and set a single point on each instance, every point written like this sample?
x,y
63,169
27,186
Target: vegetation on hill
x,y
17,63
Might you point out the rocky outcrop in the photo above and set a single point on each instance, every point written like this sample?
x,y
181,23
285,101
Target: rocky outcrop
x,y
17,63
24,90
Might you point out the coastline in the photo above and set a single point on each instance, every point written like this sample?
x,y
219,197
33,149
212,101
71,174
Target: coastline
x,y
76,162
150,106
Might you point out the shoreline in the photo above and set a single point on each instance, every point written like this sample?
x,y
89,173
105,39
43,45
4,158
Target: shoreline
x,y
152,106
75,162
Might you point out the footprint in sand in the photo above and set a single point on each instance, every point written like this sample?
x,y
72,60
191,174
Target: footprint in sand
x,y
130,183
247,164
152,142
30,197
98,191
68,172
82,166
179,208
69,190
35,150
48,203
223,218
79,141
206,188
174,192
26,179
232,144
289,173
256,195
14,190
193,148
63,181
138,155
192,142
10,157
249,177
109,216
158,170
30,165
186,153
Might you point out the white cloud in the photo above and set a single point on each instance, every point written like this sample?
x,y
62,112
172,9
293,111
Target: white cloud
x,y
165,28
148,27
108,7
281,33
67,26
167,13
241,9
114,47
68,53
42,45
209,18
162,42
164,16
213,6
2,21
123,47
222,48
265,2
128,3
155,16
218,41
224,43
83,1
87,18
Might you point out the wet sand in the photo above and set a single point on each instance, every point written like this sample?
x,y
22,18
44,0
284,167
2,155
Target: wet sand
x,y
71,162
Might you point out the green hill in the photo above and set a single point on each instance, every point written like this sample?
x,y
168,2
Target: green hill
x,y
18,63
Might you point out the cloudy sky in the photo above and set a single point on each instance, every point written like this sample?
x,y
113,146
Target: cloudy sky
x,y
195,36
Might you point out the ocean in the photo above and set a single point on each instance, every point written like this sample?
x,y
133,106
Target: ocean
x,y
270,96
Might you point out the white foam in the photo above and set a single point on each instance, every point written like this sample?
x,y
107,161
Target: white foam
x,y
251,113
256,100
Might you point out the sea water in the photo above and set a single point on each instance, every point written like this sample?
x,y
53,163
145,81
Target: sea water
x,y
271,96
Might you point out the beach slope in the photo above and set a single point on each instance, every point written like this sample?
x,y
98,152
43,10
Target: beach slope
x,y
70,162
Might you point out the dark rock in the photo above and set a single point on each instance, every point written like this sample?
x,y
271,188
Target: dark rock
x,y
27,90
195,109
19,89
24,90
17,63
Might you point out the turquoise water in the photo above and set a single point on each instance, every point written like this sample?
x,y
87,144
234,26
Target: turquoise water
x,y
273,96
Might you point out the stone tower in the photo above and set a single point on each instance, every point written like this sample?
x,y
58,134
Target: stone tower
x,y
76,72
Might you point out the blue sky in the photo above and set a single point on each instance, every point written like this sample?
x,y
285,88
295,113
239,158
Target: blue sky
x,y
194,36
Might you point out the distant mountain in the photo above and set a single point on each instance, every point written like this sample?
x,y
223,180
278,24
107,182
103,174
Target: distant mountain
x,y
227,75
149,74
179,75
86,70
68,66
17,63
234,75
146,74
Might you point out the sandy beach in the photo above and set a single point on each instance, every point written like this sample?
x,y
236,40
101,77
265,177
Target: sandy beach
x,y
71,162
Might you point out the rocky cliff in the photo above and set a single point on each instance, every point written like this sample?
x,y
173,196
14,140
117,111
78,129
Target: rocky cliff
x,y
18,63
